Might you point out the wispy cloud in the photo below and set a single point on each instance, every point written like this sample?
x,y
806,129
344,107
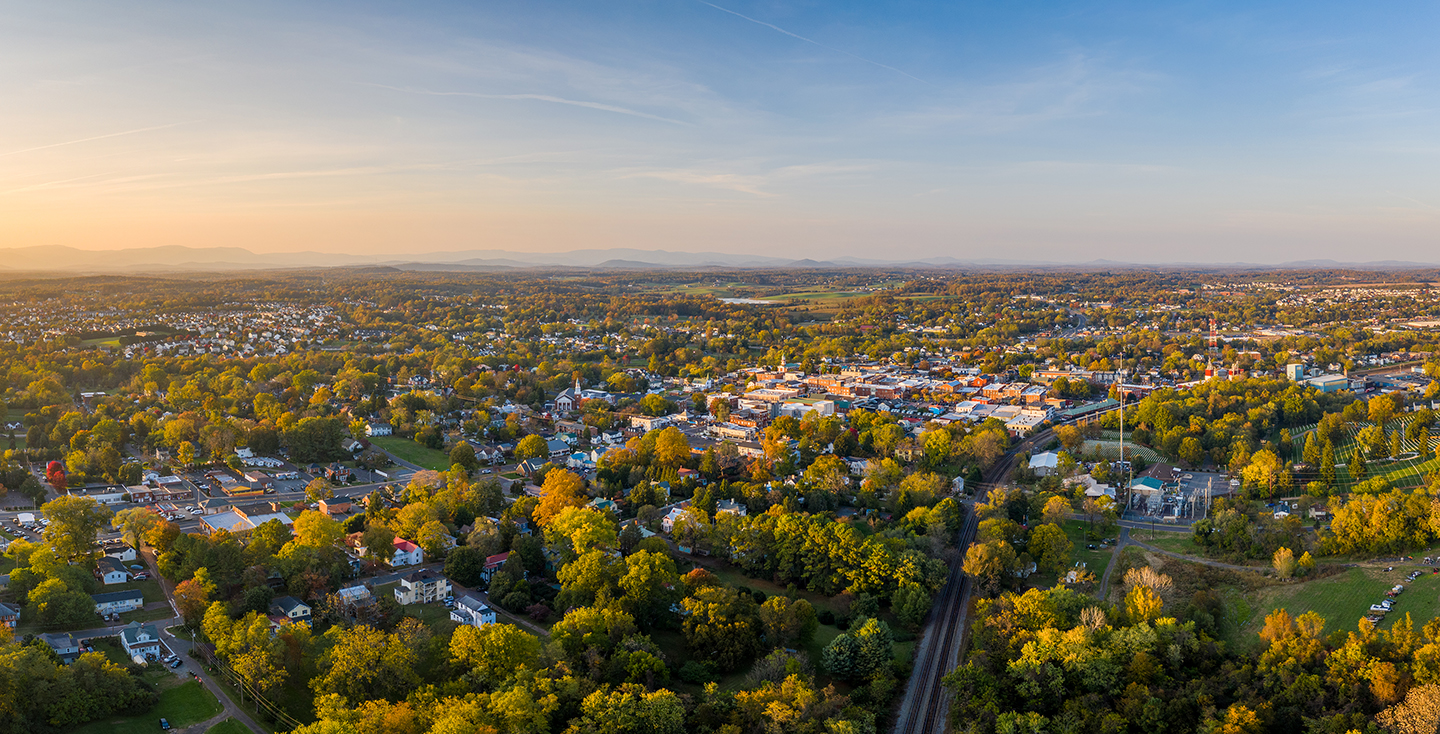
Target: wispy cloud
x,y
754,184
96,137
817,43
537,97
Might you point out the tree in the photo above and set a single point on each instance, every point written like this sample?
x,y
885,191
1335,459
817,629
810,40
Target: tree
x,y
434,539
786,621
465,565
185,453
1143,604
630,709
1070,438
672,449
1057,510
74,524
651,585
1050,547
1382,409
1191,451
721,625
988,563
316,530
494,653
1358,468
910,603
1327,464
562,488
319,489
362,663
1284,562
1311,453
464,455
192,599
135,523
531,447
1264,471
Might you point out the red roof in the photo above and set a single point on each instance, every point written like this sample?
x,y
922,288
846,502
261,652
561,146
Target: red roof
x,y
404,545
496,559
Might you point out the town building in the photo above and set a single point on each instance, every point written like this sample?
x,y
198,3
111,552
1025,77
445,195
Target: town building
x,y
472,611
422,587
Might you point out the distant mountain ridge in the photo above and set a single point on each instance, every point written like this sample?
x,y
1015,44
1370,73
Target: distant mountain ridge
x,y
55,258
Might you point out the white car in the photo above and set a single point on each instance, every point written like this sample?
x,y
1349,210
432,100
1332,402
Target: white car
x,y
197,511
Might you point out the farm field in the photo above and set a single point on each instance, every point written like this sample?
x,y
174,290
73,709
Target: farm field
x,y
413,452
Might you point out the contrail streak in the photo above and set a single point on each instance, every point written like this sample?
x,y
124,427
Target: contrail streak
x,y
97,137
538,97
817,43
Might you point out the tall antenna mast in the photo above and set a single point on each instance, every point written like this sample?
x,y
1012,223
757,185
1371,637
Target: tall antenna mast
x,y
1212,348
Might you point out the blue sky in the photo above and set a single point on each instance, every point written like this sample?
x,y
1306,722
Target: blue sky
x,y
1043,131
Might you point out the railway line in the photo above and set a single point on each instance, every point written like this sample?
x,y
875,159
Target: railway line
x,y
924,708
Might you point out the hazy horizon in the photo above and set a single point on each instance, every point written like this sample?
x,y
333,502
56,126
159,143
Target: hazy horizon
x,y
1120,131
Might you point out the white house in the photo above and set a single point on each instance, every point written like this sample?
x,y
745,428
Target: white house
x,y
471,611
731,506
111,571
141,642
422,587
288,607
123,553
378,429
668,523
406,554
116,602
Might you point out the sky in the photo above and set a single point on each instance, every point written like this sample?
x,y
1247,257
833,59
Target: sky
x,y
1142,132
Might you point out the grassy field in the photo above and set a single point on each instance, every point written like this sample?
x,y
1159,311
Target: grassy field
x,y
1170,541
1343,599
182,704
1095,560
228,726
413,452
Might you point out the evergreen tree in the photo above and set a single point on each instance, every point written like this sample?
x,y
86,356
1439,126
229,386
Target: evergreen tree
x,y
1327,464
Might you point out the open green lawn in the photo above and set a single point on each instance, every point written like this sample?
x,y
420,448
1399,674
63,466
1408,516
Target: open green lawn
x,y
149,587
182,704
1095,560
1171,541
111,648
1343,599
228,726
413,452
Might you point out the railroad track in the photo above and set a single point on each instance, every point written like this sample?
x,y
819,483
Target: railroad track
x,y
923,710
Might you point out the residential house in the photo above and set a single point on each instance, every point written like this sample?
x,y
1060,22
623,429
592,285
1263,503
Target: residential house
x,y
603,504
668,522
422,587
117,602
649,423
111,571
335,505
289,608
338,473
4,581
493,564
730,506
378,429
406,554
141,641
558,449
64,644
472,611
9,616
124,553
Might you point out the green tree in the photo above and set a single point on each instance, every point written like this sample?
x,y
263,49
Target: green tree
x,y
630,709
651,586
318,489
721,625
531,447
74,524
1050,547
135,523
465,565
1327,464
464,455
910,603
316,530
362,663
786,621
494,653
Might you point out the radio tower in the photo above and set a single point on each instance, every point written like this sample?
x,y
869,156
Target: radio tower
x,y
1213,349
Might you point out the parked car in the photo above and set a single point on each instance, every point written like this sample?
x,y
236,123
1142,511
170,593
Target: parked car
x,y
177,663
164,725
